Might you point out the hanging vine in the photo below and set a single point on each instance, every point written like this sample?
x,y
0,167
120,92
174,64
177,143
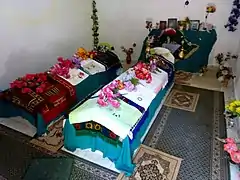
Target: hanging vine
x,y
95,25
234,16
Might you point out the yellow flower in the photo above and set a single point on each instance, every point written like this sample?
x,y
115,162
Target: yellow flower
x,y
238,110
231,108
232,103
237,103
227,106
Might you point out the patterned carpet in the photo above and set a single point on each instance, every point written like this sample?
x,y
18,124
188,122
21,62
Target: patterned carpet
x,y
184,134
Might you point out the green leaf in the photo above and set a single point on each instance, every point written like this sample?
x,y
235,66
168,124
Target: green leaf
x,y
134,81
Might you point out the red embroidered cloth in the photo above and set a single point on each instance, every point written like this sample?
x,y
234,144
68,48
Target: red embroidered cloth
x,y
58,96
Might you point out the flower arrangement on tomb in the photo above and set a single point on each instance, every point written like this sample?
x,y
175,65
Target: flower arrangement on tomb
x,y
129,81
30,82
142,72
109,95
62,68
81,55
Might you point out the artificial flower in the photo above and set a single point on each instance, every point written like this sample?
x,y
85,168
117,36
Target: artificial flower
x,y
235,156
233,108
62,68
108,95
129,86
230,147
115,103
120,85
102,102
142,72
30,82
229,140
26,90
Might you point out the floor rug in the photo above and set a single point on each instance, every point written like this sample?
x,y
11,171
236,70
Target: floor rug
x,y
49,169
152,164
181,99
191,136
182,77
16,153
53,139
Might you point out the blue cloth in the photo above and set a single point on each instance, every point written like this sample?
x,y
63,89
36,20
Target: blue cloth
x,y
205,40
83,90
200,58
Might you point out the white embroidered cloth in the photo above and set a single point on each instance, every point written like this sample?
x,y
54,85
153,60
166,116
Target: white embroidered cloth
x,y
75,79
92,67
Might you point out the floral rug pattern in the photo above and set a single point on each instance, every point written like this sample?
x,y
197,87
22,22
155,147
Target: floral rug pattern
x,y
152,164
53,140
182,77
182,100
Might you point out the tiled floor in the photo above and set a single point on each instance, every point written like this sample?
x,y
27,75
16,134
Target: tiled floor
x,y
207,81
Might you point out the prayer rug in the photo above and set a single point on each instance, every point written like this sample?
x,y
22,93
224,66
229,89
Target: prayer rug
x,y
152,164
49,169
182,77
182,100
53,139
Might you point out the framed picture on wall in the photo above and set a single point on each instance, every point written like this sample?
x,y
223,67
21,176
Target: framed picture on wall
x,y
162,25
172,23
194,24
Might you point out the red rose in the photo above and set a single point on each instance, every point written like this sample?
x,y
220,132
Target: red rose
x,y
29,77
39,90
26,90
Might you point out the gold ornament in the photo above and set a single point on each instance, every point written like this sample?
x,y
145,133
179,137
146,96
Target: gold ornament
x,y
148,49
181,54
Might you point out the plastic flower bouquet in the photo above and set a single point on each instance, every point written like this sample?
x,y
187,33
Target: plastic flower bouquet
x,y
36,82
233,108
230,146
62,68
109,95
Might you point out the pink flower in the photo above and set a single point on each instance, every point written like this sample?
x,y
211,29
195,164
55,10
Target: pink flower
x,y
229,140
230,147
114,103
26,90
235,156
108,92
101,95
101,102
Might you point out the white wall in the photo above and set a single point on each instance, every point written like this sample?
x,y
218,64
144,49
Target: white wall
x,y
236,70
122,22
34,33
